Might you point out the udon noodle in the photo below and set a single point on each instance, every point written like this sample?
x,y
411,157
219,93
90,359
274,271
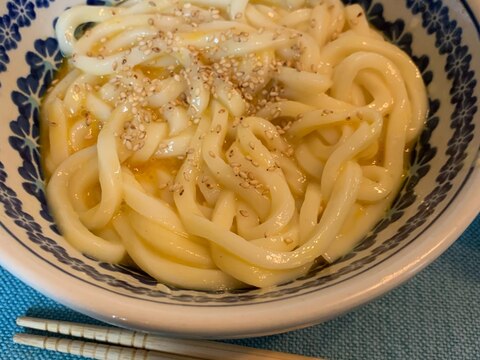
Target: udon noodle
x,y
219,144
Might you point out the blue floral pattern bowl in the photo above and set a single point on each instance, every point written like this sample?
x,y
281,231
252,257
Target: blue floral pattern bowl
x,y
436,203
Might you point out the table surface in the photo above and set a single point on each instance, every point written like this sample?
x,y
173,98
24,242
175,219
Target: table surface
x,y
435,315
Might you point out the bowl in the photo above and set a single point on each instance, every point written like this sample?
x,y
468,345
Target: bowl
x,y
438,200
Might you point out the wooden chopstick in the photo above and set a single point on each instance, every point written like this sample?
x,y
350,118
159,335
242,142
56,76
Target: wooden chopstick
x,y
153,344
93,350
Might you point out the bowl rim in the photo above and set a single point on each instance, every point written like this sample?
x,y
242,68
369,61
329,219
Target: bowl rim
x,y
237,321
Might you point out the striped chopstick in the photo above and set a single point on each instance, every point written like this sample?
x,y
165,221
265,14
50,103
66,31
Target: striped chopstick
x,y
93,350
135,345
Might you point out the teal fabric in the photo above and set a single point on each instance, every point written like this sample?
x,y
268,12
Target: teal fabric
x,y
436,315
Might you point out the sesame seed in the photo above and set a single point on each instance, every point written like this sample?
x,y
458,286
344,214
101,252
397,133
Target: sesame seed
x,y
243,212
269,134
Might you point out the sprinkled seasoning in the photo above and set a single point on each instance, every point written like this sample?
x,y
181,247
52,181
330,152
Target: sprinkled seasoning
x,y
249,77
243,212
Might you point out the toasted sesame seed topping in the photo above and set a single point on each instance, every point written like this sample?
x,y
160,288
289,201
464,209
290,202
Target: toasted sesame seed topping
x,y
243,212
245,184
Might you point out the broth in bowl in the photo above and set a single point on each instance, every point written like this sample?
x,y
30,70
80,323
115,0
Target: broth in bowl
x,y
225,147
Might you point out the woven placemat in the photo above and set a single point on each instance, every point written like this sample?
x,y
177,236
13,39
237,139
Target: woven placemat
x,y
436,315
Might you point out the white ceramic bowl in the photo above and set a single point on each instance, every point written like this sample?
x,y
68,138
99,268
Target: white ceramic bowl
x,y
439,199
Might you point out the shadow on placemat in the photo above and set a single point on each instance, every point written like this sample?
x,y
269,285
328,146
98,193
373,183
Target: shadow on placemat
x,y
61,313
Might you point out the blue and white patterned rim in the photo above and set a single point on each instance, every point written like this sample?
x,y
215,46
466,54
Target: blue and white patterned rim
x,y
46,58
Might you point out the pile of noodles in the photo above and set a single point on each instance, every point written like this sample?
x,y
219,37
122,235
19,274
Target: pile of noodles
x,y
218,143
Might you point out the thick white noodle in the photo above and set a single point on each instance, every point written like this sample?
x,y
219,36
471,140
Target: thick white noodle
x,y
221,144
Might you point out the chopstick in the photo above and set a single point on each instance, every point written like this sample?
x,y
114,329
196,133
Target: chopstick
x,y
93,350
136,345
